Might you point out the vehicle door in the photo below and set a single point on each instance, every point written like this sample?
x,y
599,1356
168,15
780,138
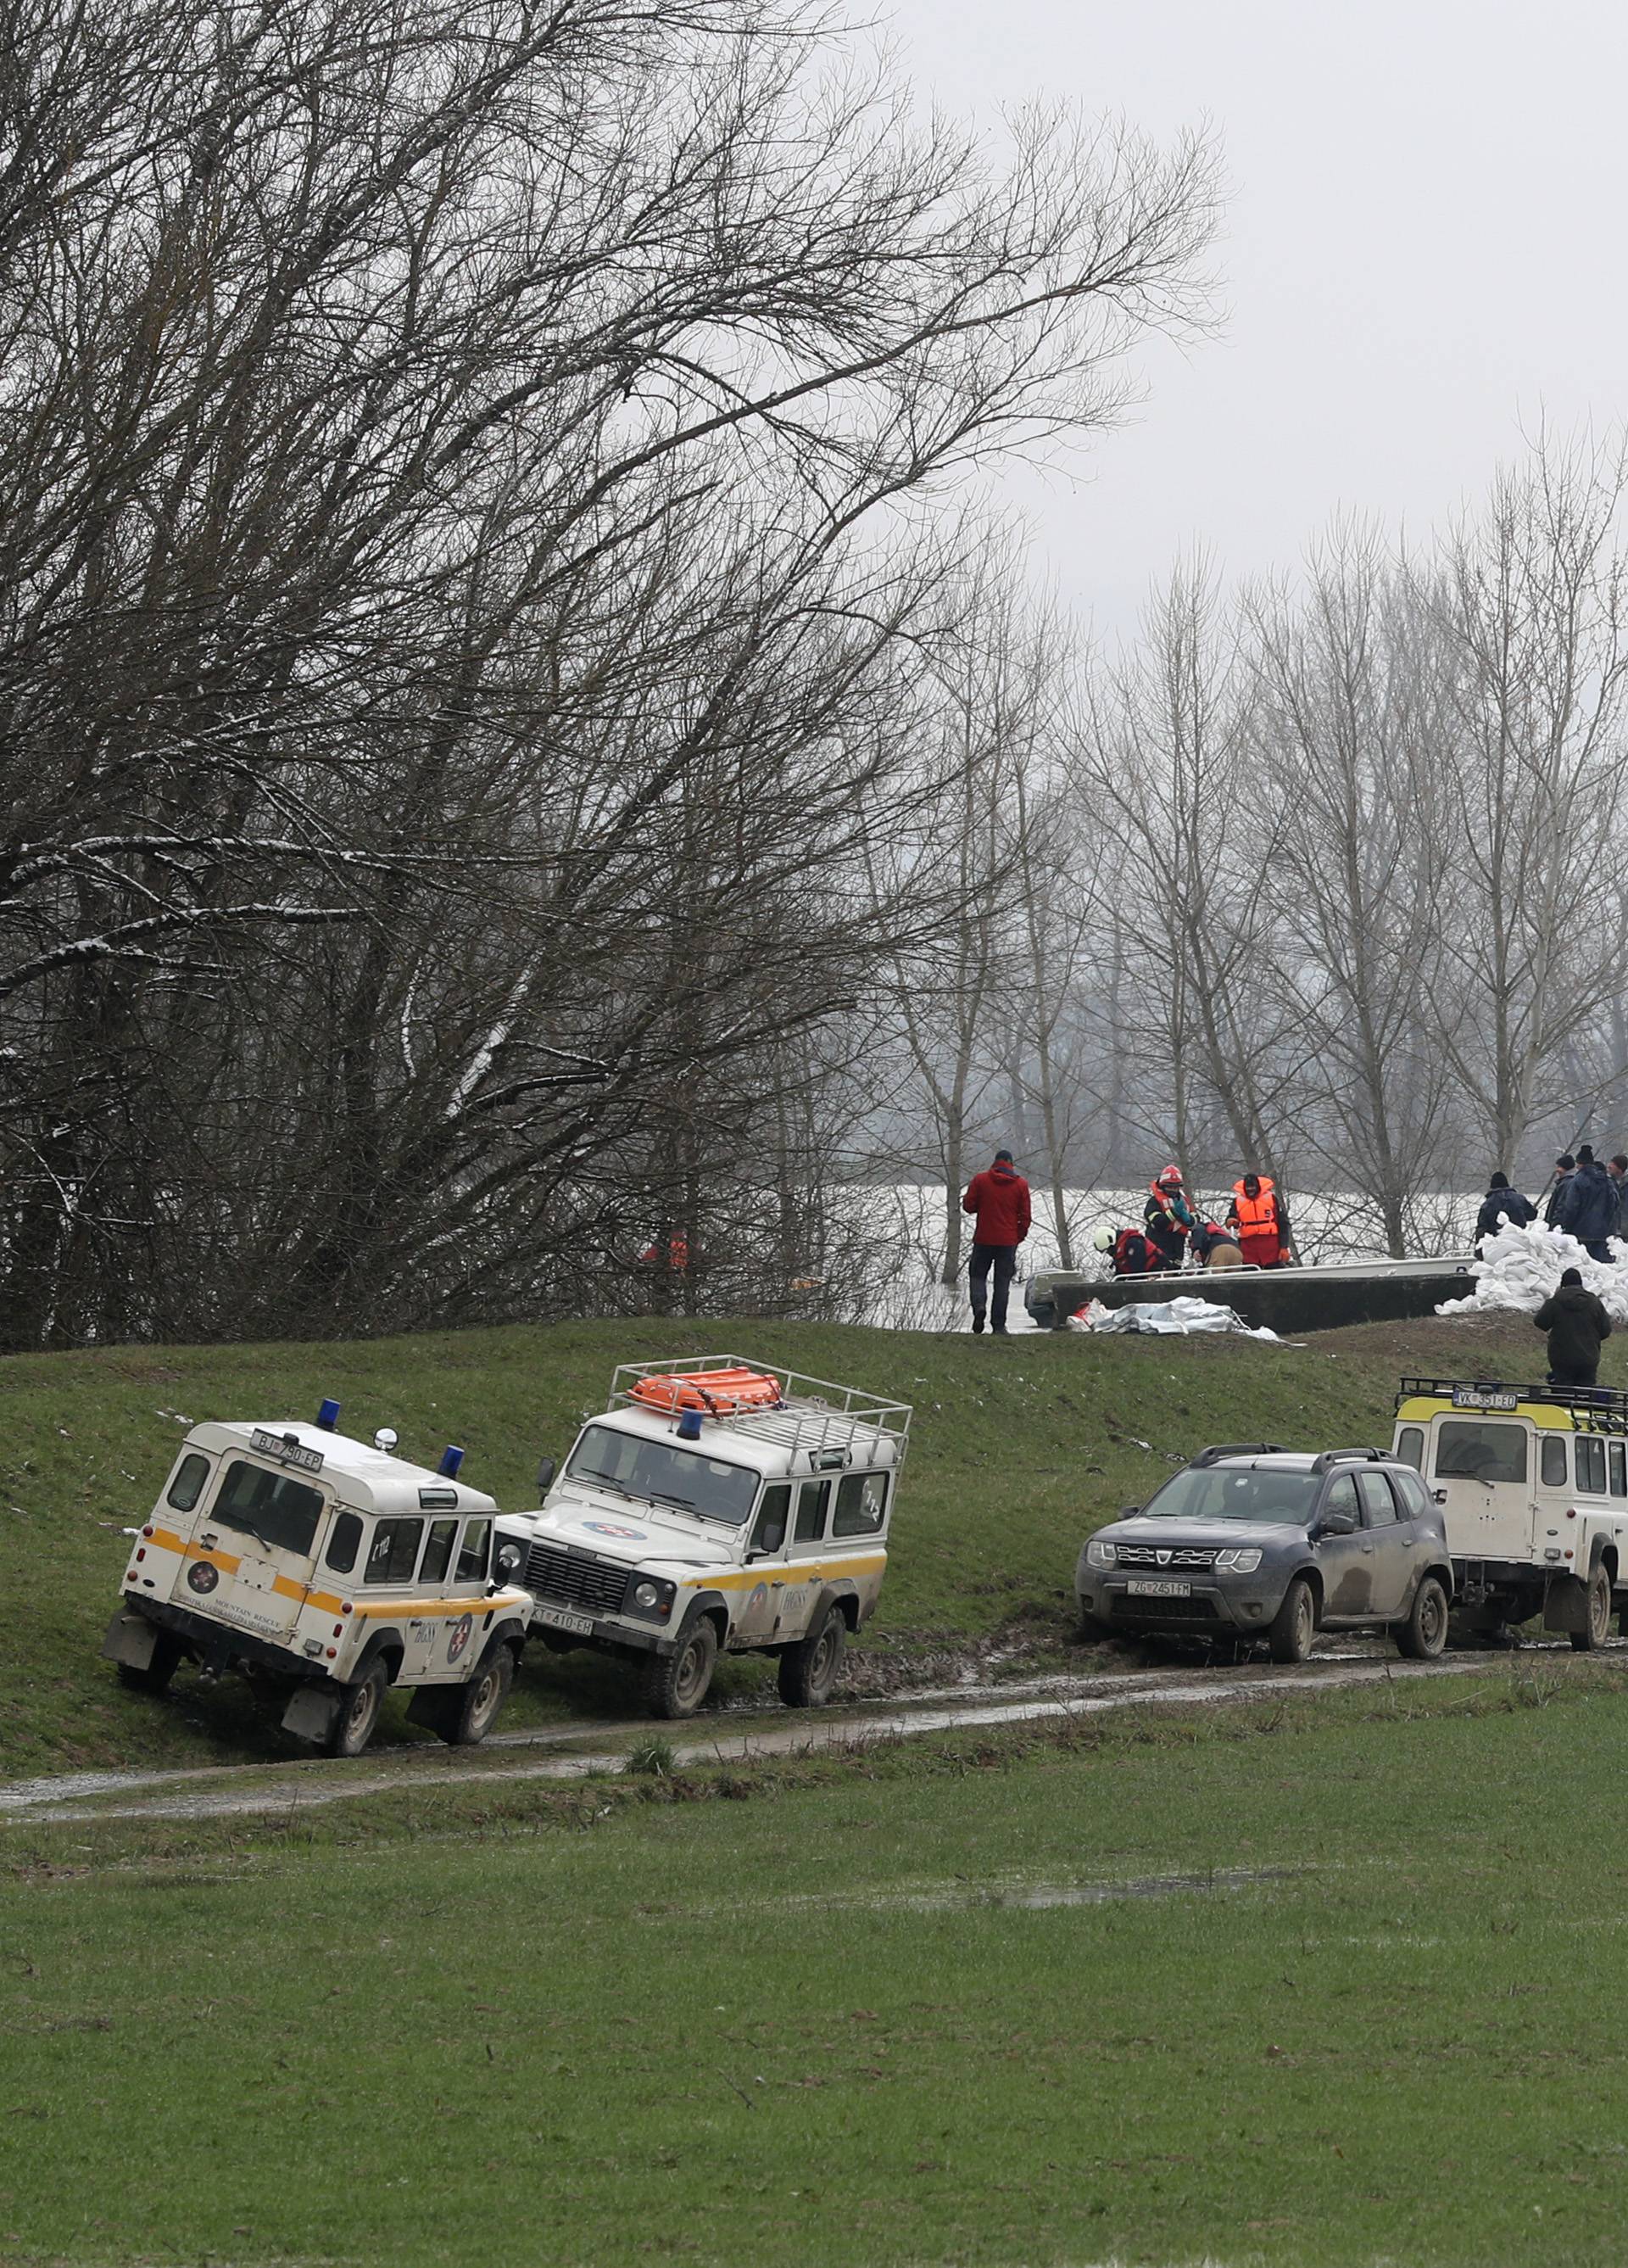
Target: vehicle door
x,y
1485,1466
1389,1528
251,1562
805,1555
421,1639
387,1591
858,1549
1347,1561
758,1619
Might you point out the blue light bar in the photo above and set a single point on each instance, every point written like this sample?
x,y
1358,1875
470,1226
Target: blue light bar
x,y
327,1416
452,1458
689,1425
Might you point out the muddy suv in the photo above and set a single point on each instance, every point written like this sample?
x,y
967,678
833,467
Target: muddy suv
x,y
1251,1540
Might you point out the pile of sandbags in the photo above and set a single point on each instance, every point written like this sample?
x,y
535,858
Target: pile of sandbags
x,y
1520,1267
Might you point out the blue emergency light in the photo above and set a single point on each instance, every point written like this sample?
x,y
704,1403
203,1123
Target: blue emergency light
x,y
327,1416
452,1458
689,1425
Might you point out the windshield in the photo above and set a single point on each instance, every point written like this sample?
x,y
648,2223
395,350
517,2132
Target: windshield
x,y
278,1512
659,1472
1223,1493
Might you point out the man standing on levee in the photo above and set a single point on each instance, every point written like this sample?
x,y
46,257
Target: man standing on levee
x,y
997,1199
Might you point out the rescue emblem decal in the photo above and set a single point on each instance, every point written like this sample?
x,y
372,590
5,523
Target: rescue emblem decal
x,y
610,1528
202,1575
460,1636
759,1598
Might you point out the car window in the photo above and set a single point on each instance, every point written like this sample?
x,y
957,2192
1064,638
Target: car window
x,y
1469,1450
438,1552
813,1497
1619,1469
861,1503
343,1537
769,1534
1379,1509
1412,1494
474,1551
278,1513
1590,1454
187,1485
1411,1447
1342,1498
1552,1460
394,1553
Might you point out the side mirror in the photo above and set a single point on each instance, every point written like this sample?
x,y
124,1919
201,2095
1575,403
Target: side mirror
x,y
1127,1512
545,1475
1334,1523
1438,1496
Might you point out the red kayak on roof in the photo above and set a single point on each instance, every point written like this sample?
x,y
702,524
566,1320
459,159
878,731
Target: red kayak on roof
x,y
722,1393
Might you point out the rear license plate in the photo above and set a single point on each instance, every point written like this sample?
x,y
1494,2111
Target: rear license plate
x,y
1143,1590
579,1625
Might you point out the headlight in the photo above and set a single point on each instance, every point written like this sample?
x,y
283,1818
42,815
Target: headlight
x,y
1240,1563
510,1560
1100,1555
649,1594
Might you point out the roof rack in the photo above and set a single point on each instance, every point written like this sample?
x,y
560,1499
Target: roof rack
x,y
1321,1462
1217,1450
812,1414
1606,1406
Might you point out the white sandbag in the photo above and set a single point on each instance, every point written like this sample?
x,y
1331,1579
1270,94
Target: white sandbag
x,y
1183,1318
1520,1267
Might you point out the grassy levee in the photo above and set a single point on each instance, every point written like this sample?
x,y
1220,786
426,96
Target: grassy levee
x,y
1311,1985
1018,1447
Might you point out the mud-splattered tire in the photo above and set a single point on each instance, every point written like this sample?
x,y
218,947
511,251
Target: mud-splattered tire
x,y
155,1678
1294,1625
1596,1614
358,1713
1423,1636
483,1699
809,1670
675,1684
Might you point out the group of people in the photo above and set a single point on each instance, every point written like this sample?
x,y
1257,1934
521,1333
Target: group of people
x,y
1586,1198
1254,1234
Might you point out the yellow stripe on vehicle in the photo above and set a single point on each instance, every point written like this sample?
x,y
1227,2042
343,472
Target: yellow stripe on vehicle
x,y
787,1572
423,1609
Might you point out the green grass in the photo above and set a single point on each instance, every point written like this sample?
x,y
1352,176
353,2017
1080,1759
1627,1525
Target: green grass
x,y
814,2026
1019,1447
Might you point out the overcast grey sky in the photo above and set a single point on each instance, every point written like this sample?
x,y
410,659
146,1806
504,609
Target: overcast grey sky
x,y
1422,254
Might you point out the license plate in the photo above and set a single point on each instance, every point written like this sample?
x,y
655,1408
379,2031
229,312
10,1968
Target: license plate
x,y
1145,1590
579,1625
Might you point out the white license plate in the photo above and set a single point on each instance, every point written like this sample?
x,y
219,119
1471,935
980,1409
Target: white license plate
x,y
1146,1590
579,1625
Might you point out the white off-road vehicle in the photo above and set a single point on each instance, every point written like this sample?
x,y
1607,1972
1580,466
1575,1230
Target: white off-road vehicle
x,y
1533,1481
715,1506
324,1570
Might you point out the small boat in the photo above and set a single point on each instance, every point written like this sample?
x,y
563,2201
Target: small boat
x,y
1287,1300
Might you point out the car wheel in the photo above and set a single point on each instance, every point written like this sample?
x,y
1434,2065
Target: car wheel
x,y
1423,1636
1596,1614
808,1670
1295,1625
155,1678
358,1715
484,1696
675,1685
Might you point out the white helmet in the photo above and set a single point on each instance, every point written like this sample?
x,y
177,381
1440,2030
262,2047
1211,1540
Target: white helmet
x,y
1103,1238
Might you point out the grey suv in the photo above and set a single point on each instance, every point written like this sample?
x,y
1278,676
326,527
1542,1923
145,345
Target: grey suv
x,y
1251,1539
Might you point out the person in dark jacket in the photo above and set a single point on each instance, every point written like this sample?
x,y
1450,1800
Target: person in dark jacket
x,y
1168,1218
1134,1254
1617,1168
1213,1247
1501,1203
997,1199
1589,1211
1577,1325
1565,1165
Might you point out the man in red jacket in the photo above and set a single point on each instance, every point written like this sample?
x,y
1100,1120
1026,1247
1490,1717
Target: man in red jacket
x,y
997,1199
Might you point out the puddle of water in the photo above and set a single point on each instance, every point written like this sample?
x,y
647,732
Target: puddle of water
x,y
1041,1896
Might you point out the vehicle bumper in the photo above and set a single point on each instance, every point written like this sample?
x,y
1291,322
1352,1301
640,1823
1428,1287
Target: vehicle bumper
x,y
215,1644
608,1633
1248,1604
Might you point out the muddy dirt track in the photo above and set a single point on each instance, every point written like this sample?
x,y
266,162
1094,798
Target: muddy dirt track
x,y
576,1751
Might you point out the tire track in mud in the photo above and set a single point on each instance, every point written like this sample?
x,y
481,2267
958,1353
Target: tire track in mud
x,y
214,1791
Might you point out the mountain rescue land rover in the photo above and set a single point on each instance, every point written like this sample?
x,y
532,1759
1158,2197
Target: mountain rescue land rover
x,y
1533,1484
325,1571
715,1506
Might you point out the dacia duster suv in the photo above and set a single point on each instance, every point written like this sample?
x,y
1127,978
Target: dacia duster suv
x,y
1251,1540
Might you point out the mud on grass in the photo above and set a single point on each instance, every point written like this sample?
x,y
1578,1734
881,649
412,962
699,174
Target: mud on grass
x,y
1333,1995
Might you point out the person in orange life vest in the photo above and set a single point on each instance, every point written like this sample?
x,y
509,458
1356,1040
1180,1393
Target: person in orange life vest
x,y
1168,1218
997,1199
1260,1220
